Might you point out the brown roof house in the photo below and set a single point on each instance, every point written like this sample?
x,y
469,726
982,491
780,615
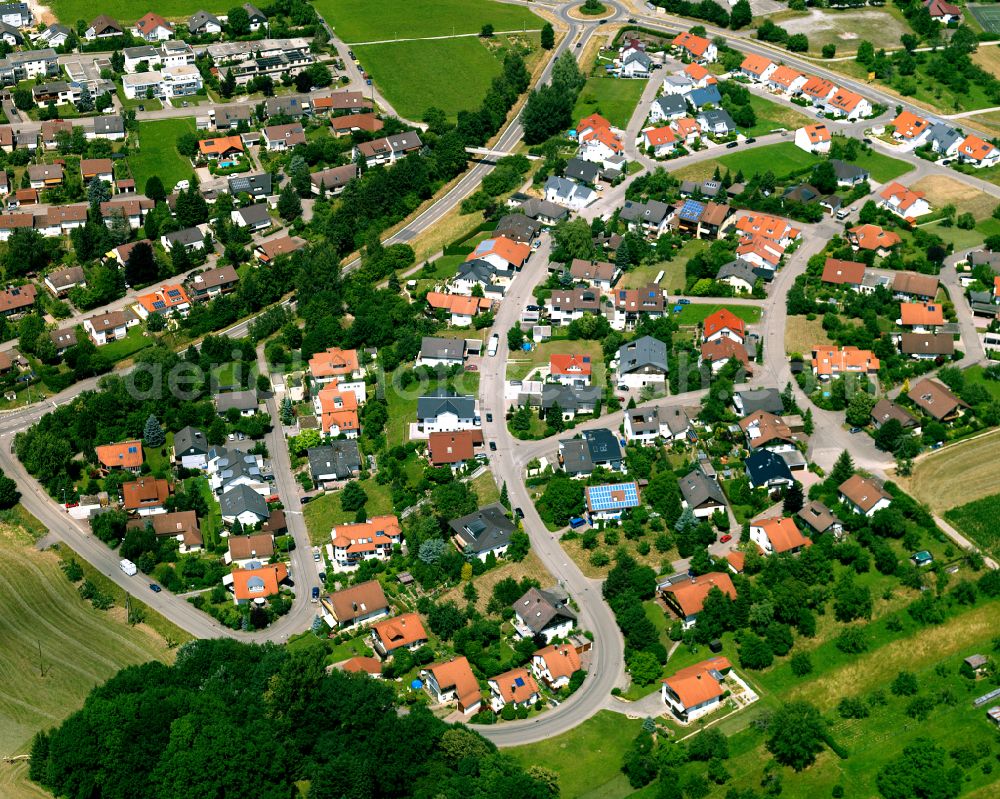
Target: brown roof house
x,y
555,664
453,449
819,518
181,525
935,399
127,455
692,692
453,681
146,495
400,632
686,597
244,549
516,687
884,410
357,605
863,495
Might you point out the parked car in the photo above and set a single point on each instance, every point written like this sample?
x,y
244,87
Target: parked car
x,y
471,368
683,301
315,593
519,513
155,588
867,141
855,430
489,417
316,555
751,140
726,538
493,446
732,144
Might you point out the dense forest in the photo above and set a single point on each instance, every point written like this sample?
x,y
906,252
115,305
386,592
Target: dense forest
x,y
230,719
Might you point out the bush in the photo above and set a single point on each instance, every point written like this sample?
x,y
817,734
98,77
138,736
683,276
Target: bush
x,y
801,664
852,641
905,684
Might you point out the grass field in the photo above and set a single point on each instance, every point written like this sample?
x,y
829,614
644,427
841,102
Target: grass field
x,y
964,239
158,154
414,76
942,190
696,312
958,474
673,271
778,158
881,167
354,22
80,648
522,363
771,116
613,99
69,11
531,567
587,758
801,335
977,520
325,511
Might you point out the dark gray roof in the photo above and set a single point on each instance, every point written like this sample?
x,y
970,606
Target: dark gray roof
x,y
110,123
586,171
738,269
671,104
990,259
242,400
255,214
232,464
240,499
535,208
761,399
289,105
190,441
446,402
570,398
254,12
199,19
575,456
518,227
477,270
541,609
598,447
339,458
846,171
764,465
652,212
944,135
190,235
640,56
487,529
642,352
697,489
716,116
436,347
257,184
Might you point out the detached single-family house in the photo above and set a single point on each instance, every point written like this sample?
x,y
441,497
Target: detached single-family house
x,y
767,469
819,518
400,632
723,324
544,613
977,152
241,503
202,23
555,665
758,68
778,536
609,502
333,462
256,585
813,138
252,217
686,597
702,494
191,448
515,687
102,27
903,202
910,129
642,362
692,692
357,605
568,193
936,400
446,411
453,681
438,351
126,455
245,549
697,48
370,540
484,532
107,327
181,525
667,108
62,280
145,496
153,28
863,495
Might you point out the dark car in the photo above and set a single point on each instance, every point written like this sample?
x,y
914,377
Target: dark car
x,y
867,141
532,307
579,44
350,53
155,588
489,417
632,20
751,140
315,593
732,144
322,577
493,446
519,513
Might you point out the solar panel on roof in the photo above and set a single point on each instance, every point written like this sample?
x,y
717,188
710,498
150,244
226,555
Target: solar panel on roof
x,y
604,497
519,682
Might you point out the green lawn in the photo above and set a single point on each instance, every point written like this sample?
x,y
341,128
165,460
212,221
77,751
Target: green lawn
x,y
965,239
613,99
151,104
781,159
673,271
881,167
403,402
977,520
41,612
69,11
211,526
588,758
358,22
772,115
157,153
696,312
519,365
133,342
414,76
324,512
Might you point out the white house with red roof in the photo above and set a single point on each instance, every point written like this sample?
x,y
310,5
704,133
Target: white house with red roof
x,y
570,370
942,11
370,540
903,202
785,80
724,324
813,138
778,536
501,252
153,28
757,67
977,152
697,48
692,692
688,130
662,141
555,664
909,129
845,103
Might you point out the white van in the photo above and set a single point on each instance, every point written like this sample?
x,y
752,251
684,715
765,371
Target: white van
x,y
128,567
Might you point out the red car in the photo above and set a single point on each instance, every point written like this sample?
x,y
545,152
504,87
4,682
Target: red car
x,y
726,538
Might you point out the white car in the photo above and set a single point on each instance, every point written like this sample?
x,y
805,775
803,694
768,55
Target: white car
x,y
182,185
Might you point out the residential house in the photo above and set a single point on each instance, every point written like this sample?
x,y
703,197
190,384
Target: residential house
x,y
145,496
337,365
374,539
642,362
924,346
191,448
609,502
635,64
566,306
721,351
455,449
484,532
570,400
977,152
843,273
661,141
229,117
686,597
701,99
667,108
582,171
164,300
462,309
283,137
761,399
688,130
787,81
405,631
252,217
337,411
813,138
245,402
518,227
873,238
909,129
543,613
63,339
60,281
453,681
903,202
387,150
243,504
246,549
103,27
257,185
758,68
863,495
778,535
56,93
723,324
111,326
915,286
202,23
921,317
696,48
437,351
767,469
182,526
355,123
569,369
820,519
716,121
55,35
211,283
357,605
568,193
445,411
45,176
944,139
696,690
600,275
703,220
267,251
818,90
942,11
648,425
28,64
936,400
702,494
256,585
333,180
884,410
333,462
257,17
516,688
739,274
831,363
845,103
501,252
153,28
578,456
126,456
555,665
764,430
650,217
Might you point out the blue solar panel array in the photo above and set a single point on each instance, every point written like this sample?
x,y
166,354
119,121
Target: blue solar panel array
x,y
692,210
602,497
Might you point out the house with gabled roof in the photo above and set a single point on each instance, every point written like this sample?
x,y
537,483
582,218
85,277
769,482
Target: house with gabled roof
x,y
833,362
516,687
453,681
696,690
863,495
973,150
244,549
697,48
686,597
126,455
764,430
145,496
256,585
454,449
778,535
757,67
373,539
702,494
543,613
843,273
555,665
153,28
873,238
845,103
642,362
818,90
356,605
813,138
767,469
921,317
405,631
910,129
723,324
936,400
819,518
484,532
903,202
785,80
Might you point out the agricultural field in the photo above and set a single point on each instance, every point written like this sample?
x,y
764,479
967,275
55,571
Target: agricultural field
x,y
588,758
978,521
355,22
942,190
416,75
958,474
157,153
783,157
56,648
771,116
69,11
613,99
845,27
